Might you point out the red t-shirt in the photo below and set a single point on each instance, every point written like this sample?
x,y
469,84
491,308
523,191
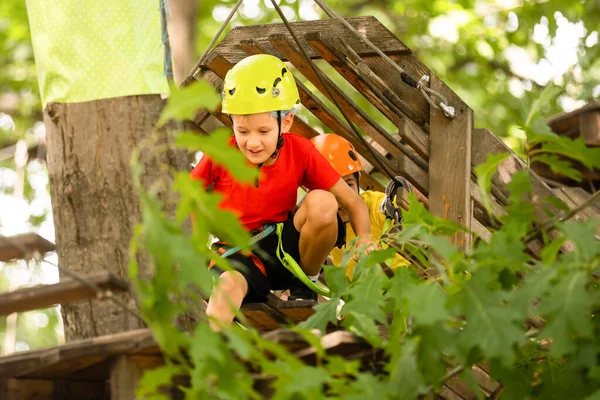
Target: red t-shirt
x,y
299,164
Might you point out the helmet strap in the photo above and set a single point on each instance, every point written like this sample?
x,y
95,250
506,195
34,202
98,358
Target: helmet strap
x,y
279,136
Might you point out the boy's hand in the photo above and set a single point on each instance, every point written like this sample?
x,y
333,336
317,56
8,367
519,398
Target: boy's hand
x,y
368,241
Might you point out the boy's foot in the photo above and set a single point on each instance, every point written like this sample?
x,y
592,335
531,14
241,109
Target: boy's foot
x,y
302,293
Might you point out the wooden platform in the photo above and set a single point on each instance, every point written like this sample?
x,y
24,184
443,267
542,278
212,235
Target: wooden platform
x,y
12,247
276,313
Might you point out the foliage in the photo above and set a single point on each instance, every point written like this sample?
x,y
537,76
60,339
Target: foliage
x,y
476,312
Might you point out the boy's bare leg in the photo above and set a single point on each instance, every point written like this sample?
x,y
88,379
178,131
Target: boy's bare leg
x,y
316,220
226,299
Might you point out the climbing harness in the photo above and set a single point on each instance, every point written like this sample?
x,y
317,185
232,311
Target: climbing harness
x,y
269,229
394,194
291,265
286,260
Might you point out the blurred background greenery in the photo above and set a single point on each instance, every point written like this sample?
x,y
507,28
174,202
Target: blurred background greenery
x,y
498,55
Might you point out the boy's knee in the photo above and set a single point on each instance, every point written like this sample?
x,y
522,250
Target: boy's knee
x,y
322,207
232,280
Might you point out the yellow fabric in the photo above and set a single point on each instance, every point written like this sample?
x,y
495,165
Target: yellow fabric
x,y
373,201
90,50
259,73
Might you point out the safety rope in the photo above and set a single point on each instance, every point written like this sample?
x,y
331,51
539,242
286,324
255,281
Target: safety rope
x,y
427,92
216,37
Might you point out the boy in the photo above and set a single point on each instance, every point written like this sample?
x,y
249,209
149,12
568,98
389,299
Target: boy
x,y
343,157
259,94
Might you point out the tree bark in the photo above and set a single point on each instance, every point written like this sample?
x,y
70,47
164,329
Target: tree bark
x,y
94,201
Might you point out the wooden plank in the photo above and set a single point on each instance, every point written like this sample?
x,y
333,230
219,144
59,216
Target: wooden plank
x,y
125,376
412,66
291,340
72,356
575,196
461,388
393,111
589,128
220,66
484,143
262,316
12,247
355,113
450,163
447,394
369,26
296,311
40,389
67,291
565,122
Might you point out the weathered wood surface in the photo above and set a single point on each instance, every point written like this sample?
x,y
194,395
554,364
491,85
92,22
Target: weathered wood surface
x,y
450,163
355,113
64,292
368,88
589,128
12,247
584,122
66,360
40,389
125,376
370,26
411,96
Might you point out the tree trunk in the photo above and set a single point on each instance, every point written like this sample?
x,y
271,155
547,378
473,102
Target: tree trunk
x,y
94,201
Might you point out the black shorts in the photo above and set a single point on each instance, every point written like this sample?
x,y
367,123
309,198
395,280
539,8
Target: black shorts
x,y
278,277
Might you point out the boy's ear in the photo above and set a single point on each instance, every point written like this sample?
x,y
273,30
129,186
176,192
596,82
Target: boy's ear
x,y
286,123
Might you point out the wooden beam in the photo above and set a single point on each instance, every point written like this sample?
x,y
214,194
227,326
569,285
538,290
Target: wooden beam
x,y
64,360
125,376
355,113
589,128
414,67
450,163
41,389
12,247
369,26
67,291
371,86
263,317
567,124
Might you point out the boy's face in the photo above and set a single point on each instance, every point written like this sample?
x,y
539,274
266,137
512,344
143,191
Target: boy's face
x,y
353,183
256,135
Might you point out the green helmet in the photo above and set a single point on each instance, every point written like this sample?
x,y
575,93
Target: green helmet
x,y
257,84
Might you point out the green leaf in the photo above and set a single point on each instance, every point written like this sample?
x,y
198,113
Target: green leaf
x,y
379,256
155,378
489,324
583,235
559,166
428,303
405,378
324,313
184,102
567,309
209,217
485,172
217,146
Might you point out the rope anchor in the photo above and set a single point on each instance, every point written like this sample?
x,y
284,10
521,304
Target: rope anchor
x,y
429,94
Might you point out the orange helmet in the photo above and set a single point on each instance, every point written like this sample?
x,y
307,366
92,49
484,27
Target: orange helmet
x,y
339,152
